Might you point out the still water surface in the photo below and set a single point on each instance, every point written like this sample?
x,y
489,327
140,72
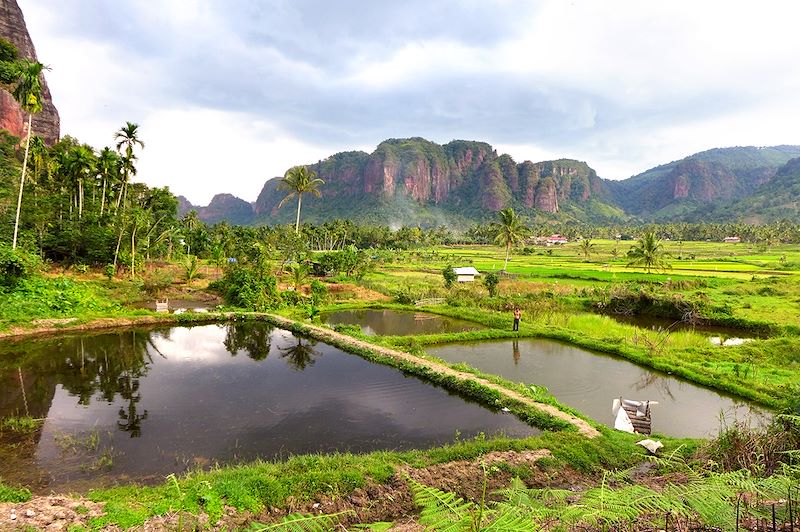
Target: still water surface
x,y
399,323
159,401
589,382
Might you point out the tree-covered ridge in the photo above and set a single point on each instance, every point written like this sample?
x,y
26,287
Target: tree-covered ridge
x,y
692,187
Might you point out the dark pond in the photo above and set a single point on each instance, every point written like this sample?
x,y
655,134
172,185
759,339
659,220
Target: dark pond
x,y
589,382
399,323
139,404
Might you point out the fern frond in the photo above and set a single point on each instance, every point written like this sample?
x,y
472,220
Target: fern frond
x,y
507,517
303,523
441,510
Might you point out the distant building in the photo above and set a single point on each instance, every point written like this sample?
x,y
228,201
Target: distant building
x,y
556,239
732,240
466,274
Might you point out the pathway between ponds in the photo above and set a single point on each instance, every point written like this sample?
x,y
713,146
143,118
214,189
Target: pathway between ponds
x,y
323,334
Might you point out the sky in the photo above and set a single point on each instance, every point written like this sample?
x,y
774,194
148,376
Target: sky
x,y
230,93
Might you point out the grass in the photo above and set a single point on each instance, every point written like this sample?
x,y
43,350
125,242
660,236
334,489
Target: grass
x,y
20,425
258,485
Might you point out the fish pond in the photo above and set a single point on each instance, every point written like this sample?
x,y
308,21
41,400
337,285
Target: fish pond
x,y
136,405
589,382
380,322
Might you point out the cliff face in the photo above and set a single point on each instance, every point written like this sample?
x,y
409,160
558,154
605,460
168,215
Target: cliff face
x,y
45,123
687,188
464,177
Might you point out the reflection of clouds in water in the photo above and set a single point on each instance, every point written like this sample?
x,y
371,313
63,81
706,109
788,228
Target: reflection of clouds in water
x,y
196,344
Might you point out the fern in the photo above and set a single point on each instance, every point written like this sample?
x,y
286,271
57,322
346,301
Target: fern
x,y
442,510
303,523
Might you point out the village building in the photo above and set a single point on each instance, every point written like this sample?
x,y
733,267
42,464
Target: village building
x,y
732,240
465,274
556,239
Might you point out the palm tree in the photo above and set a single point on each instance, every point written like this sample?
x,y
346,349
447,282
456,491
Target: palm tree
x,y
28,93
127,137
586,248
509,231
649,253
298,181
108,166
299,274
80,164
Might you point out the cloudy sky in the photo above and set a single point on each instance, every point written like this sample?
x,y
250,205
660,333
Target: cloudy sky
x,y
229,93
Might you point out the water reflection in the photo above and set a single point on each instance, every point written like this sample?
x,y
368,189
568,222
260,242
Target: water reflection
x,y
398,323
300,355
140,404
589,382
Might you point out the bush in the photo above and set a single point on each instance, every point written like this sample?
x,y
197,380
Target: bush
x,y
449,275
242,286
319,292
16,265
291,297
490,281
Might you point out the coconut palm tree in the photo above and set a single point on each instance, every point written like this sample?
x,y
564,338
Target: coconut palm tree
x,y
28,93
649,253
80,164
299,180
128,138
510,230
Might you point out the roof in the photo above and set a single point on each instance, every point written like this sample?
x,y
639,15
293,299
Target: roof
x,y
467,270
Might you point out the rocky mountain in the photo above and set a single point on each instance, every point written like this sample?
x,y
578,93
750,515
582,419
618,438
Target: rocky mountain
x,y
45,123
777,199
696,185
223,207
415,181
418,181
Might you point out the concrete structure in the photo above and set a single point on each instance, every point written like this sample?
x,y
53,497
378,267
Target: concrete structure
x,y
466,274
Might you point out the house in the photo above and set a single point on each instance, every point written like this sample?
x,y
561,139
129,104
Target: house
x,y
556,239
466,274
732,240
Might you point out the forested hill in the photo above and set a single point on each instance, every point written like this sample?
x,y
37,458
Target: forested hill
x,y
696,186
415,181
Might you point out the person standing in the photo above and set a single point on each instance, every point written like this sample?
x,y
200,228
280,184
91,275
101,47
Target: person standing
x,y
517,316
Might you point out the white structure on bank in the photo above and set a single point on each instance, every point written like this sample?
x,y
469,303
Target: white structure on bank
x,y
466,274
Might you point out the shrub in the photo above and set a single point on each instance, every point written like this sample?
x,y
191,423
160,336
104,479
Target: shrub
x,y
490,281
319,292
449,275
291,297
16,265
242,286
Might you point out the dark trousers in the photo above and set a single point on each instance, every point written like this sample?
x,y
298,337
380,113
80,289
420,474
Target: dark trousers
x,y
516,324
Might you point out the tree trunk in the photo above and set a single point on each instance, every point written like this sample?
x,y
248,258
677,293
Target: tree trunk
x,y
297,223
119,242
508,252
103,198
133,252
22,182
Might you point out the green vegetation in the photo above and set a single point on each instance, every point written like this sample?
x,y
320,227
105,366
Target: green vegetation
x,y
298,181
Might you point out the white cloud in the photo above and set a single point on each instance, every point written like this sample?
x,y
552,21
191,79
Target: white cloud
x,y
230,95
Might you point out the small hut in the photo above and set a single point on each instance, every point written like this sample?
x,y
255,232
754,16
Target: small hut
x,y
466,274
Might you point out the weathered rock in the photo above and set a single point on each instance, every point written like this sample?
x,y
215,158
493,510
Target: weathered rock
x,y
46,123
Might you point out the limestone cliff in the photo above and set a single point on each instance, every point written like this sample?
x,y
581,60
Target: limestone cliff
x,y
411,177
45,123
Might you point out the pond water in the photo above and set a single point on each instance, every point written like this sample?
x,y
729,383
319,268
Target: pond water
x,y
140,404
398,323
589,382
